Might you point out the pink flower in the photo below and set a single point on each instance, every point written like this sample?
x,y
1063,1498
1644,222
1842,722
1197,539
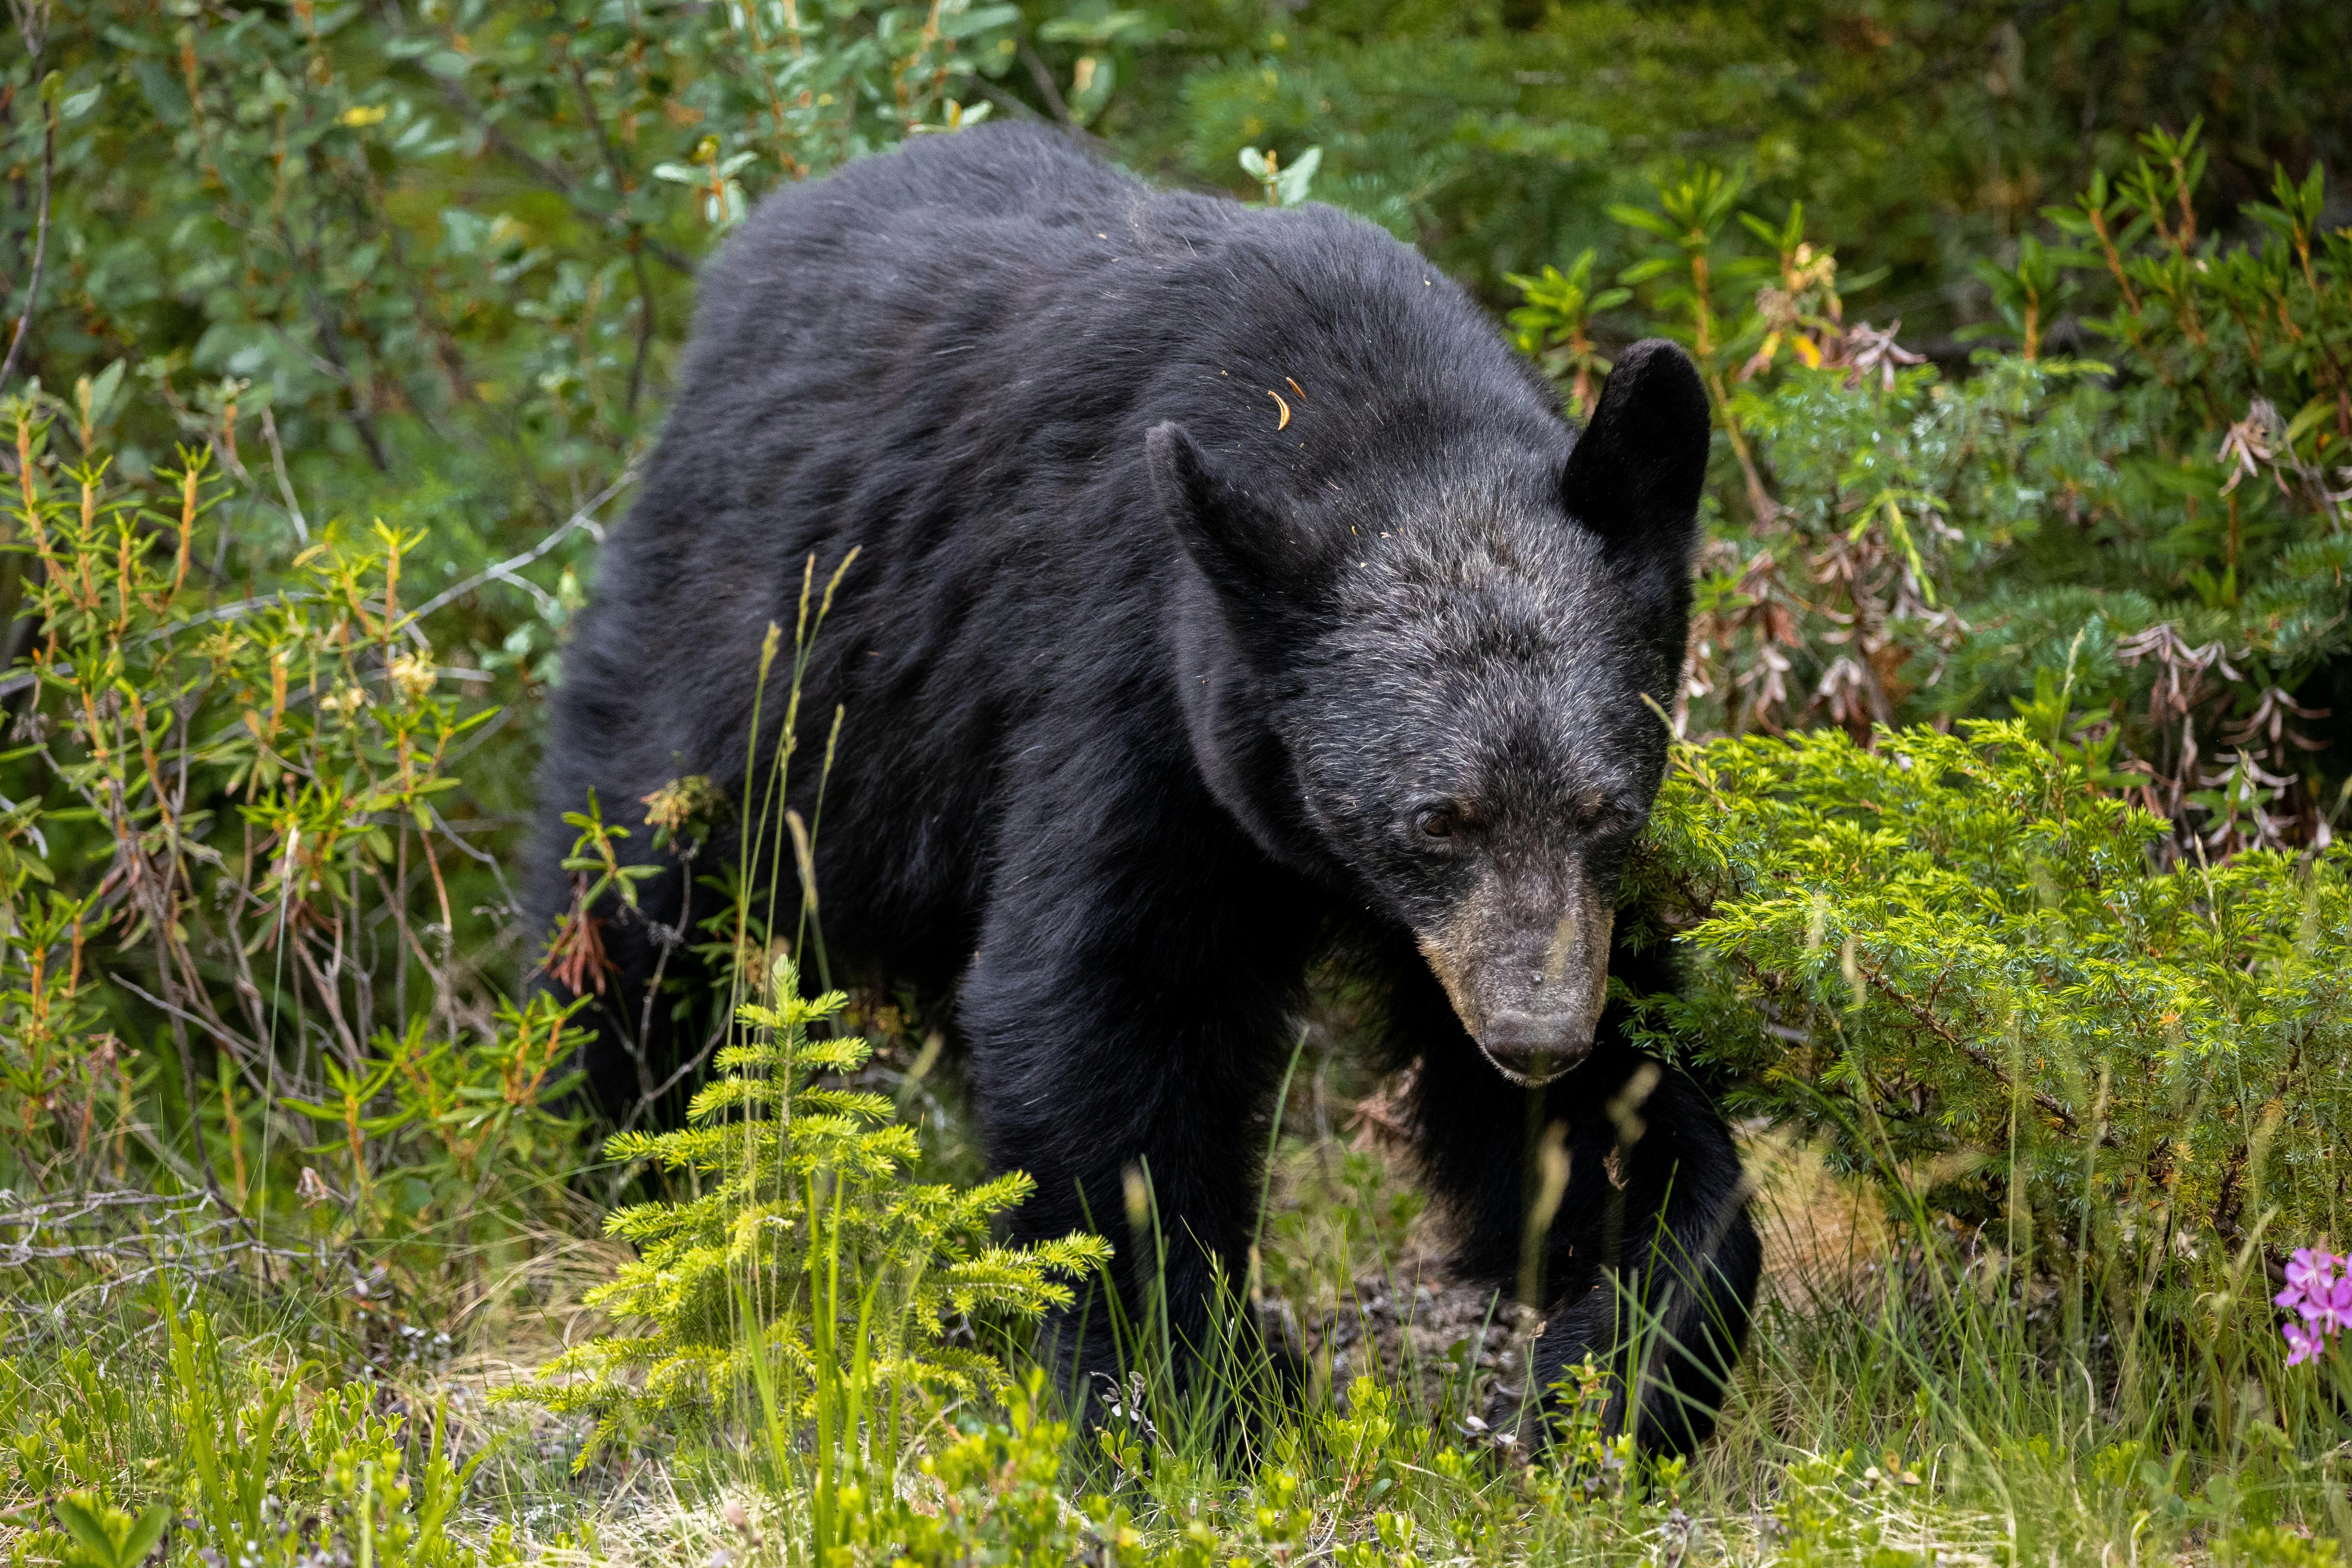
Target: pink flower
x,y
2322,1301
2304,1266
2332,1312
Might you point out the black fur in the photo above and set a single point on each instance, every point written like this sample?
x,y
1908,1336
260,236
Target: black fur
x,y
1202,549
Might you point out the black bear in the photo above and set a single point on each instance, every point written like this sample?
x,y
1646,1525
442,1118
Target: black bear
x,y
1224,582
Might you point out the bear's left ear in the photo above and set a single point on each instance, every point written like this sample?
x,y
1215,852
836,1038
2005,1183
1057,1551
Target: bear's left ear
x,y
1238,545
1635,473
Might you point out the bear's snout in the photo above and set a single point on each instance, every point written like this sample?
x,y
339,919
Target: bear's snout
x,y
1525,960
1536,1048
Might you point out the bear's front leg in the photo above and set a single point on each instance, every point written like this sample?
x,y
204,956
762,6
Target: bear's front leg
x,y
1647,1261
1126,1013
1663,1275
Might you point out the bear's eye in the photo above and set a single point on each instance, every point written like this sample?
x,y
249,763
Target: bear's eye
x,y
1435,822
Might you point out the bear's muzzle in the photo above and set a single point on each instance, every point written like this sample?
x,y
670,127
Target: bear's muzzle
x,y
1525,962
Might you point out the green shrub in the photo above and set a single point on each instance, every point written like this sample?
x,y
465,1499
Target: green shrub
x,y
253,1462
1497,134
232,960
805,1266
990,1492
1960,955
418,266
2158,530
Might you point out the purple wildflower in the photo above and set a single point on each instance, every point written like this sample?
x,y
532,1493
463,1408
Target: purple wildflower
x,y
2315,1294
2331,1313
2303,1263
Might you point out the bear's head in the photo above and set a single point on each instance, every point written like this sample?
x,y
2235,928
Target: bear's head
x,y
1443,687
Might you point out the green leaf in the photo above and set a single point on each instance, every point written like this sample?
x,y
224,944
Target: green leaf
x,y
105,1537
1111,26
81,1514
1291,186
144,1534
979,19
1643,219
2305,421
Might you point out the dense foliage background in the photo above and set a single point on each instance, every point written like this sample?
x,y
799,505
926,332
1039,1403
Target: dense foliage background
x,y
2002,847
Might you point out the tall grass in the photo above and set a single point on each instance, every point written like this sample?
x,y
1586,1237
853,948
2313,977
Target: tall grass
x,y
1909,1395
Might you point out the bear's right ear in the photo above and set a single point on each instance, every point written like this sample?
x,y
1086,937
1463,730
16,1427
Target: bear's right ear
x,y
1634,475
1237,543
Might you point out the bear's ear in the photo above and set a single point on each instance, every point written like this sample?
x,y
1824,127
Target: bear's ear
x,y
1237,543
1636,474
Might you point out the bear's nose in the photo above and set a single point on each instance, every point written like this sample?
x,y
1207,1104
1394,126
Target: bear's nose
x,y
1536,1046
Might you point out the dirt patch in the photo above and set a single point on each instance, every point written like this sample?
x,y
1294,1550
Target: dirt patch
x,y
1446,1342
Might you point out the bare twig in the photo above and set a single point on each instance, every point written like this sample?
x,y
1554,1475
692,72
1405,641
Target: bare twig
x,y
1045,88
645,320
584,517
285,487
362,414
40,241
238,1047
635,237
190,1234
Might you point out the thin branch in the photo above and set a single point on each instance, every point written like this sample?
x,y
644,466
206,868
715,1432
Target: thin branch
x,y
40,244
584,517
482,857
223,1036
24,678
1927,1020
362,414
645,320
159,915
1010,104
1045,88
285,488
636,238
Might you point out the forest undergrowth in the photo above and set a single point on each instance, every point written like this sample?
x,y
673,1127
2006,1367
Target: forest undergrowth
x,y
2002,847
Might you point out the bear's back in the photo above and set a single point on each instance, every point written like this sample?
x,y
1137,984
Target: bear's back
x,y
1003,172
1002,286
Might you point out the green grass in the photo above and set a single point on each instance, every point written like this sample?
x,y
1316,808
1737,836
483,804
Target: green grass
x,y
1906,1398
